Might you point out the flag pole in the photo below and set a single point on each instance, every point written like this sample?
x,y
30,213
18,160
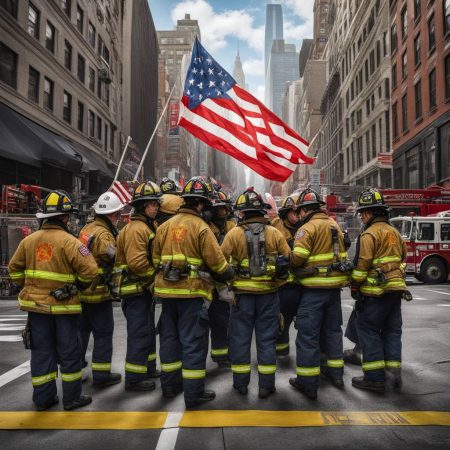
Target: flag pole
x,y
154,133
122,157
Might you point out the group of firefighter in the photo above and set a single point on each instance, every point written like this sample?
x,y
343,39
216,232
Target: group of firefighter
x,y
217,267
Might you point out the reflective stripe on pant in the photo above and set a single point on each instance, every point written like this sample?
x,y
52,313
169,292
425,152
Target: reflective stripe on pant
x,y
319,321
55,340
139,312
259,313
98,319
379,325
183,336
219,317
289,295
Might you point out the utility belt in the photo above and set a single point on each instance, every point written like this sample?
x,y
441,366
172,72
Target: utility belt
x,y
174,273
65,292
107,278
340,266
280,270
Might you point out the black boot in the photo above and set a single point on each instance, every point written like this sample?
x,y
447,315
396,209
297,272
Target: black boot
x,y
223,363
154,374
243,390
81,401
172,392
113,378
336,382
375,386
144,385
54,401
264,392
205,396
352,356
309,391
397,376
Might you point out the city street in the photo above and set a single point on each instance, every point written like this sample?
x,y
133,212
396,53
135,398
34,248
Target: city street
x,y
418,417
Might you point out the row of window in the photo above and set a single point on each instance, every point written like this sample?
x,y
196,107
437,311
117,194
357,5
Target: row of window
x,y
8,74
418,110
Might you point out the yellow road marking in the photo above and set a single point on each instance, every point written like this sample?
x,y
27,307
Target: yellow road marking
x,y
89,420
134,420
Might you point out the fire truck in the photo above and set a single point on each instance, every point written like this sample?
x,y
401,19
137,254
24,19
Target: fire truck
x,y
428,242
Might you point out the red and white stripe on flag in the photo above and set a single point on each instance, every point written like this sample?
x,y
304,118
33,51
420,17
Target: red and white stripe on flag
x,y
248,131
122,190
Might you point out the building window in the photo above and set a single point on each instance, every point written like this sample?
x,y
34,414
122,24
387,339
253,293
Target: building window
x,y
91,35
80,119
446,16
412,167
67,55
91,124
99,128
50,37
405,113
447,77
81,68
105,141
107,94
429,161
66,6
431,33
393,38
67,107
112,133
432,88
416,9
91,79
394,75
10,6
33,85
8,66
374,141
33,21
80,19
418,99
404,64
404,21
417,50
48,94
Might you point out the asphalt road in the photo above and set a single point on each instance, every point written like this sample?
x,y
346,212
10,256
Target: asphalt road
x,y
349,419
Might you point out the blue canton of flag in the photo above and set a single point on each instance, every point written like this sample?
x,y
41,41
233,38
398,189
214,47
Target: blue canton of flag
x,y
205,78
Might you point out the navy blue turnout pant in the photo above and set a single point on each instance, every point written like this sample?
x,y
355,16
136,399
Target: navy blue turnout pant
x,y
289,295
257,312
183,334
219,318
55,340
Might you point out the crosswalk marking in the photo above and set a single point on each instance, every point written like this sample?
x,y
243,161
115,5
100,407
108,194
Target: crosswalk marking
x,y
439,292
12,322
12,374
168,437
11,338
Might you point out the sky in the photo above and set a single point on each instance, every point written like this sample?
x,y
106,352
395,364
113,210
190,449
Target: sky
x,y
227,25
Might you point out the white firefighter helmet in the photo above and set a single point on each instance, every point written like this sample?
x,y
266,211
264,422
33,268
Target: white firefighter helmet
x,y
108,203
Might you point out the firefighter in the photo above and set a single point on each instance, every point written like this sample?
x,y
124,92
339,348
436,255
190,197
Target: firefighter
x,y
288,222
99,236
170,204
219,311
188,253
261,257
137,273
51,266
169,186
378,285
319,261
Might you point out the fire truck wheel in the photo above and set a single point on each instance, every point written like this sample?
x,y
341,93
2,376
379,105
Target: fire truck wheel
x,y
433,271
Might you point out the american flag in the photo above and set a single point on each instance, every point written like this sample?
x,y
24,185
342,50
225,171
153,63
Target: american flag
x,y
123,190
226,117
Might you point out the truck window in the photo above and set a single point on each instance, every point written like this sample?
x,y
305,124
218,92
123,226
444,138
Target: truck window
x,y
445,232
425,231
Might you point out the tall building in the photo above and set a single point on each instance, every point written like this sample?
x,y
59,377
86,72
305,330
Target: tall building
x,y
139,79
63,122
420,52
283,69
238,71
324,15
175,48
273,30
306,53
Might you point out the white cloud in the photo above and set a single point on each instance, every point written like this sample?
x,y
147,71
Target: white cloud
x,y
260,92
253,67
216,27
303,10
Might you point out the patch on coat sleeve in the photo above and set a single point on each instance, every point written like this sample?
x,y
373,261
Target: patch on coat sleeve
x,y
300,233
84,251
44,252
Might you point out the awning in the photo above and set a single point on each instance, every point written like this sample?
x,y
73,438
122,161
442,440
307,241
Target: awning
x,y
25,141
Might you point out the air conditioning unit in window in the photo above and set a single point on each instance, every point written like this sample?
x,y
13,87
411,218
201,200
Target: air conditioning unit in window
x,y
105,75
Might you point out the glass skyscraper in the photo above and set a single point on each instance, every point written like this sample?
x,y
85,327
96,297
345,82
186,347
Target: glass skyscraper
x,y
274,29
